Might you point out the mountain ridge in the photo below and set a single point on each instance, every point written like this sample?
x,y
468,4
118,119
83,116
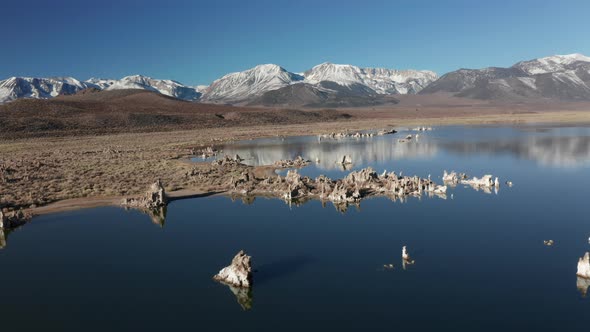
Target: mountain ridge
x,y
560,77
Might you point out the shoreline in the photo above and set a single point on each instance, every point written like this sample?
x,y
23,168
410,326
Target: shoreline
x,y
148,156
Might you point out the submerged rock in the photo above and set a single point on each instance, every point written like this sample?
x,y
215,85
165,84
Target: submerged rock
x,y
238,273
548,243
153,199
584,266
384,132
483,182
287,163
453,178
345,160
344,135
206,152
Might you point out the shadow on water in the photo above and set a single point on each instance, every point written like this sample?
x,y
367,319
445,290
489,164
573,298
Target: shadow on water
x,y
280,269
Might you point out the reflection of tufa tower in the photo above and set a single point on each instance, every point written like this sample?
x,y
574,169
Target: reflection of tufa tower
x,y
2,239
583,284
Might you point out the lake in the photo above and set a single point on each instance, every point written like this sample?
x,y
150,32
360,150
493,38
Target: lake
x,y
480,261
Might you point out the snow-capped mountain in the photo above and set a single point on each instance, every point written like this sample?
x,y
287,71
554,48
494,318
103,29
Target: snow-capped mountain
x,y
165,87
380,80
39,88
565,77
43,88
241,86
252,83
551,64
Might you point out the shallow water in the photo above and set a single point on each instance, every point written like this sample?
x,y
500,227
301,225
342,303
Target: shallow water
x,y
480,259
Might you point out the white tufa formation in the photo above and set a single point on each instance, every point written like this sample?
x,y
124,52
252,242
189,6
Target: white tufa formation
x,y
405,255
485,181
345,160
238,273
154,198
584,266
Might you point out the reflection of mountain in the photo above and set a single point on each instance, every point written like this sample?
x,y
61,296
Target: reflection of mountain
x,y
556,151
363,151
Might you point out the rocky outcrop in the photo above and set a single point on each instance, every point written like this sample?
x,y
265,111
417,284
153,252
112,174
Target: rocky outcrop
x,y
584,266
238,273
240,180
13,219
288,163
228,161
453,178
405,254
405,140
206,152
406,260
345,135
384,132
153,199
483,182
422,129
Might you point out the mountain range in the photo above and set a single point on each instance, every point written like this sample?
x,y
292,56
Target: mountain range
x,y
561,77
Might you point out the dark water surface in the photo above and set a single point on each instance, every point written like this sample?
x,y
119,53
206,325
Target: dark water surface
x,y
480,260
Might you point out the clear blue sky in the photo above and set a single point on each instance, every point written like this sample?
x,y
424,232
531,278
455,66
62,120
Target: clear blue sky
x,y
196,42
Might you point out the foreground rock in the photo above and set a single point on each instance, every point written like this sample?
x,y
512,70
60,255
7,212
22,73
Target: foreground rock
x,y
153,199
584,266
238,273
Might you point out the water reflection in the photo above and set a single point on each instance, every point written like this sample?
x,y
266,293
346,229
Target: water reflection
x,y
157,216
2,239
551,148
244,296
553,151
583,285
363,151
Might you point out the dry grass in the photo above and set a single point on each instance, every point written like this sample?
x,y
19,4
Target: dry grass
x,y
38,171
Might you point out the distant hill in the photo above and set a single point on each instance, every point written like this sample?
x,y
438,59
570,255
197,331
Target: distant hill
x,y
90,112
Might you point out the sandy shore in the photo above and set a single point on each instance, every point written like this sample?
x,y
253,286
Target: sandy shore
x,y
49,175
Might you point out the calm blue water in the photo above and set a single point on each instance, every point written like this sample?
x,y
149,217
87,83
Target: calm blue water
x,y
480,260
